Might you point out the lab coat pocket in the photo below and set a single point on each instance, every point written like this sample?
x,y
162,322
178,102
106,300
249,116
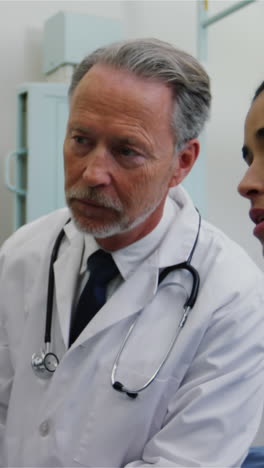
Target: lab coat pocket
x,y
119,426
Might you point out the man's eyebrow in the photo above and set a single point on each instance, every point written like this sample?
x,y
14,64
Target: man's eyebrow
x,y
127,140
132,141
79,128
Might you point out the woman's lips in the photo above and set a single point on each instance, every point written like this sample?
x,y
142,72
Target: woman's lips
x,y
257,216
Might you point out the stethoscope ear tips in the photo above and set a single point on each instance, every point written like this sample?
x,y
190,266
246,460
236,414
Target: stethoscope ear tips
x,y
120,388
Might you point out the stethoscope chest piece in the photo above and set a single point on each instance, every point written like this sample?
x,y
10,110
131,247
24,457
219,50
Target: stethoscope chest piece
x,y
44,364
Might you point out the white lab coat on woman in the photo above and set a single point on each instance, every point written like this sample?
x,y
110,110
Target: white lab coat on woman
x,y
204,407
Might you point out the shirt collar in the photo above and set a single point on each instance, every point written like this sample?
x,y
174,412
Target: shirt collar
x,y
178,205
90,246
128,258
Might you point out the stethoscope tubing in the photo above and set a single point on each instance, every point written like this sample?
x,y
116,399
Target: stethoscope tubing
x,y
134,392
196,280
50,293
45,363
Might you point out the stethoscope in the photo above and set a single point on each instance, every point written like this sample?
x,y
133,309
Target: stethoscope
x,y
46,362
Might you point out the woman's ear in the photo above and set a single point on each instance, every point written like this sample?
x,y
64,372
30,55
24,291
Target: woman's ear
x,y
184,161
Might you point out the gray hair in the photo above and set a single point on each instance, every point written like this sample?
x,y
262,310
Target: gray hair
x,y
152,58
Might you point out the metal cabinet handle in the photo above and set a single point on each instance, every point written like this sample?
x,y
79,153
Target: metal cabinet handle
x,y
8,183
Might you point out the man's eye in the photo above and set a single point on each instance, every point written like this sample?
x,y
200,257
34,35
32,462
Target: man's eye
x,y
126,151
80,140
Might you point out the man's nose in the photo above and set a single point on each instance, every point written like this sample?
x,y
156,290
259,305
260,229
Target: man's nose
x,y
97,170
252,183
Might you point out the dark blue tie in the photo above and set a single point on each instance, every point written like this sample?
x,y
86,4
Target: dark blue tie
x,y
102,269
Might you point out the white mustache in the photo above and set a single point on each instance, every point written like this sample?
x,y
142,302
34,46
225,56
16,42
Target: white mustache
x,y
92,194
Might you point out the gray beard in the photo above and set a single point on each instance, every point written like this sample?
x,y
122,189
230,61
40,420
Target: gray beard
x,y
117,227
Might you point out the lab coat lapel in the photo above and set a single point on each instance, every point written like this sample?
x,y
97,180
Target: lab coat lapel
x,y
132,296
181,236
123,303
139,289
66,272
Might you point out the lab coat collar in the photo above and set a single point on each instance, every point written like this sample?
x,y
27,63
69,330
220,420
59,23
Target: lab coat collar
x,y
66,272
131,257
123,303
182,234
175,248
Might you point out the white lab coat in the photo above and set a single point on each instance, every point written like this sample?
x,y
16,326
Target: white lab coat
x,y
204,407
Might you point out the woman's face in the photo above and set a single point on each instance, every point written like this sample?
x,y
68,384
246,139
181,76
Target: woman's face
x,y
252,184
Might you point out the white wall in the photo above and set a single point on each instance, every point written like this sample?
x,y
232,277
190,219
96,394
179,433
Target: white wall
x,y
236,67
234,63
21,29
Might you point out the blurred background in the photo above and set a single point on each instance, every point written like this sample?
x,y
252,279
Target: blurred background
x,y
231,53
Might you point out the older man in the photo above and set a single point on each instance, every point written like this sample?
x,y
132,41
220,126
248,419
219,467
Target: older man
x,y
152,344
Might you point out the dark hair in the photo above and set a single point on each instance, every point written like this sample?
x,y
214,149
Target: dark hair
x,y
258,91
152,58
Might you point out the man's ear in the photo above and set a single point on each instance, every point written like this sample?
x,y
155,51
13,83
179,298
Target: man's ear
x,y
184,161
